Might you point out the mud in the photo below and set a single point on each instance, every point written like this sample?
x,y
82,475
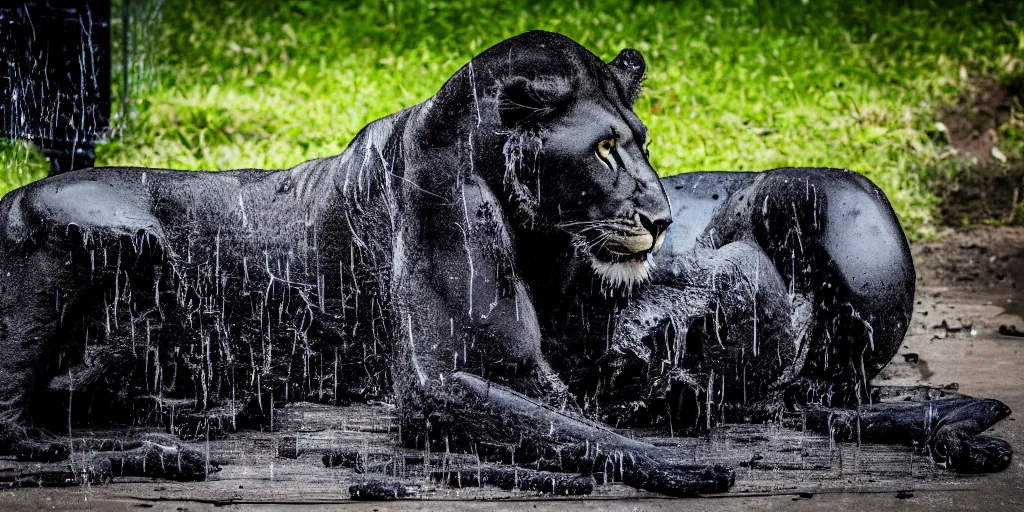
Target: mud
x,y
991,192
973,122
988,186
971,263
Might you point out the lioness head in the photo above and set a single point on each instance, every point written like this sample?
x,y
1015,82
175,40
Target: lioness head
x,y
572,160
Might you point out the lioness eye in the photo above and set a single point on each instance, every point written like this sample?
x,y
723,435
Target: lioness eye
x,y
604,151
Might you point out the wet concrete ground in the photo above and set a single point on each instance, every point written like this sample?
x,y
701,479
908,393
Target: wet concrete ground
x,y
967,288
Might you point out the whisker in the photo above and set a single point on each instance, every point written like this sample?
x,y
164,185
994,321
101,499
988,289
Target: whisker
x,y
583,244
575,223
602,240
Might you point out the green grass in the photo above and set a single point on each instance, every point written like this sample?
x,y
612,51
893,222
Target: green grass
x,y
731,85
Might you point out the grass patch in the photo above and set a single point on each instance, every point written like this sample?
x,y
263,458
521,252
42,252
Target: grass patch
x,y
732,84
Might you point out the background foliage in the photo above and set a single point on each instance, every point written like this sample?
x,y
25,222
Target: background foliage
x,y
737,84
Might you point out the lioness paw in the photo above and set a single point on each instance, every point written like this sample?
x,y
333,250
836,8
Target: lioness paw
x,y
681,480
965,453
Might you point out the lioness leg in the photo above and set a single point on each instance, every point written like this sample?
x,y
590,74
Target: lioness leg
x,y
950,428
558,441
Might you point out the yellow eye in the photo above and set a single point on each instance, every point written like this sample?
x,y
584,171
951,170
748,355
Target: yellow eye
x,y
604,150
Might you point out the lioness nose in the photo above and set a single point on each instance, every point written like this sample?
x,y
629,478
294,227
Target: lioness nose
x,y
656,224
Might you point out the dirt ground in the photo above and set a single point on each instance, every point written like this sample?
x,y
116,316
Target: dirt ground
x,y
970,286
990,187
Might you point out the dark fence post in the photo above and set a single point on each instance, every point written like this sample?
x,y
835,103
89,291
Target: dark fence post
x,y
55,77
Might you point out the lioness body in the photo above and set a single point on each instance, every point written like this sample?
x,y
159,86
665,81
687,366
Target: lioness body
x,y
389,271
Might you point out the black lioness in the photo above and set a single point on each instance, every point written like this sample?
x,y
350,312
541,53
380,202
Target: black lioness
x,y
391,270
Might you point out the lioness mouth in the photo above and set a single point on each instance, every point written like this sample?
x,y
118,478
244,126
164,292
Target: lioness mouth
x,y
620,251
630,248
621,257
635,244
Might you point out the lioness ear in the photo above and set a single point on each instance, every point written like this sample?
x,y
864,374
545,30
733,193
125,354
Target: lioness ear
x,y
523,101
630,68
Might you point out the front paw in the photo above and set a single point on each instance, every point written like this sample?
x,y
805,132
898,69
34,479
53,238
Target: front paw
x,y
965,453
679,479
